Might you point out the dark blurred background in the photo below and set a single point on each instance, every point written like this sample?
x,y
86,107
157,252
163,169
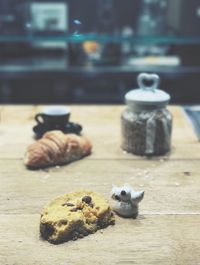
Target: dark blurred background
x,y
75,51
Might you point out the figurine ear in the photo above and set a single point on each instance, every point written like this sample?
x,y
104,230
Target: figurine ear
x,y
114,188
137,196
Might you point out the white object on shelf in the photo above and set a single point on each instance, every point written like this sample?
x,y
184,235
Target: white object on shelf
x,y
155,60
49,17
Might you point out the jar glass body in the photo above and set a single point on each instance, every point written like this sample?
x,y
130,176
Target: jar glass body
x,y
146,132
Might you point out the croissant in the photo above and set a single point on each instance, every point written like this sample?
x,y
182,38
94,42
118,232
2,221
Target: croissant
x,y
56,148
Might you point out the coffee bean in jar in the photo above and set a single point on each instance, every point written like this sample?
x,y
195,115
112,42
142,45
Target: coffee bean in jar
x,y
146,122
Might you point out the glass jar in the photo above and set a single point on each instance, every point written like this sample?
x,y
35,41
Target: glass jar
x,y
146,122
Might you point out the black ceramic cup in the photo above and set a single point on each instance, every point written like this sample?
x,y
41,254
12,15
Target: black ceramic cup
x,y
54,117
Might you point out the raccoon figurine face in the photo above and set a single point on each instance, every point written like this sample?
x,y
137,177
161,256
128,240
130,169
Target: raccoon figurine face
x,y
126,200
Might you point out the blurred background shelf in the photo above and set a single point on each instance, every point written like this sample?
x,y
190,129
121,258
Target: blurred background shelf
x,y
59,65
75,51
50,80
102,38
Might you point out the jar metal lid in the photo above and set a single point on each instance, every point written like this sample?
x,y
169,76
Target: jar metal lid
x,y
147,95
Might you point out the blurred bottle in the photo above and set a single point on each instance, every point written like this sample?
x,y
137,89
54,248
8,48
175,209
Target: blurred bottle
x,y
127,46
110,52
151,23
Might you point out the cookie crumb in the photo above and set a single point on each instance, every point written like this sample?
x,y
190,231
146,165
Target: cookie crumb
x,y
187,173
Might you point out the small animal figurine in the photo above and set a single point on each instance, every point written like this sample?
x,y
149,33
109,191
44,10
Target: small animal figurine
x,y
126,200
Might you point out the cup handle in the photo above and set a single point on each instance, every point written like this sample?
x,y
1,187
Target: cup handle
x,y
39,118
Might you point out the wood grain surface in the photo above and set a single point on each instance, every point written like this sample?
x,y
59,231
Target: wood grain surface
x,y
167,230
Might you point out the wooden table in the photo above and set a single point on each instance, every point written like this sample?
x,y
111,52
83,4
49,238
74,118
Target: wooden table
x,y
167,230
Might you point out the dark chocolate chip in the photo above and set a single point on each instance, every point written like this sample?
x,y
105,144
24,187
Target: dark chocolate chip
x,y
68,204
74,210
87,199
78,208
91,205
64,222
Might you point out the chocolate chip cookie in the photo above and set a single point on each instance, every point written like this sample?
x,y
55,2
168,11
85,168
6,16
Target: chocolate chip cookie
x,y
75,215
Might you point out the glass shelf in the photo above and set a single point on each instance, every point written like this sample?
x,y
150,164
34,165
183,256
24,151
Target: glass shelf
x,y
40,65
116,21
102,38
